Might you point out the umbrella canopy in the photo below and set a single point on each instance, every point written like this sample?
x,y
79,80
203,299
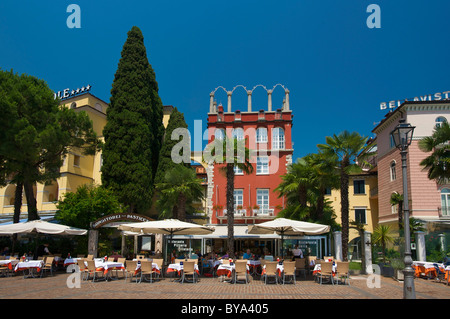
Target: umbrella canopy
x,y
40,226
167,227
284,226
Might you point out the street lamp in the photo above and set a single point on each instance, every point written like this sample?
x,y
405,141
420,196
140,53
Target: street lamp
x,y
402,136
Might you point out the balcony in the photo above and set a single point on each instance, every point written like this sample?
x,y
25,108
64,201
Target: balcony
x,y
249,215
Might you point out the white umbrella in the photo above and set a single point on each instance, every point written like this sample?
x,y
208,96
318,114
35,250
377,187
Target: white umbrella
x,y
40,226
167,227
284,226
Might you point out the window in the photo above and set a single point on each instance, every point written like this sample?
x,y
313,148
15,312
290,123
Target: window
x,y
359,187
391,141
219,134
445,202
440,120
393,171
73,105
238,171
278,138
76,160
261,135
360,215
238,133
262,199
328,191
238,198
262,165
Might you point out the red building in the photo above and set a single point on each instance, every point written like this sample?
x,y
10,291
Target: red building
x,y
268,135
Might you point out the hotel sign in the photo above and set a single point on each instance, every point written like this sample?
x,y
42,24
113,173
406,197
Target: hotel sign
x,y
429,97
67,93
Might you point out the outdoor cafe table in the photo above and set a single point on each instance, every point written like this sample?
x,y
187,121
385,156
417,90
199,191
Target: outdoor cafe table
x,y
426,269
29,266
227,269
155,267
8,263
70,261
106,266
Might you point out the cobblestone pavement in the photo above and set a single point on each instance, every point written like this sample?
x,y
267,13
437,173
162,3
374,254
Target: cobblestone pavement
x,y
56,287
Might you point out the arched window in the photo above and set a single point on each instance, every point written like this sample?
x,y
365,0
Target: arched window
x,y
219,134
238,133
439,120
278,138
445,202
261,135
393,171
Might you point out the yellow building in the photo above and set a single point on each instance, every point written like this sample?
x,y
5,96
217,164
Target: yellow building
x,y
76,170
363,207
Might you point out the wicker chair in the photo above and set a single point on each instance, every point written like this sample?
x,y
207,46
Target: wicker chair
x,y
48,265
189,270
300,266
131,268
241,269
342,272
289,270
160,263
271,271
146,270
326,271
92,270
83,268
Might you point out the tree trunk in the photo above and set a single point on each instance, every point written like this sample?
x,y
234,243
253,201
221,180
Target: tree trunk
x,y
302,196
17,209
320,204
182,207
31,201
175,212
344,209
230,209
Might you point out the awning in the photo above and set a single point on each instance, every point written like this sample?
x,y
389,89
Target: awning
x,y
240,231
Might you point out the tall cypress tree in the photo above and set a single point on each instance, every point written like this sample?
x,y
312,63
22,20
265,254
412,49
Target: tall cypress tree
x,y
134,129
166,163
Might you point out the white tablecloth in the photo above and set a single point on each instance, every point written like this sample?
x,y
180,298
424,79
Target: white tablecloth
x,y
29,264
8,263
427,264
70,261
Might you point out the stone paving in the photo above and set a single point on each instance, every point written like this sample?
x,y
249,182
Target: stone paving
x,y
56,287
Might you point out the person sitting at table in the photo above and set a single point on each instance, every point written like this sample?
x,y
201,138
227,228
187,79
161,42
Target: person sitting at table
x,y
297,252
247,255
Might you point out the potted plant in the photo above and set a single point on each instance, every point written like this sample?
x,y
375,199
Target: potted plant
x,y
239,208
398,265
255,209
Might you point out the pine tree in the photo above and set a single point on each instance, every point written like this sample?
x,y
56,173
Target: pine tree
x,y
165,157
134,130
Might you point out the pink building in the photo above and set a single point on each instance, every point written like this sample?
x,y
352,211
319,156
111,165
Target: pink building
x,y
429,201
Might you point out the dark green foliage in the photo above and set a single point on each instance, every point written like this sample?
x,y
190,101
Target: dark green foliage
x,y
165,156
36,134
86,205
133,133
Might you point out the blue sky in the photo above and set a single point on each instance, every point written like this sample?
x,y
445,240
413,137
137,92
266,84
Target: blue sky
x,y
337,69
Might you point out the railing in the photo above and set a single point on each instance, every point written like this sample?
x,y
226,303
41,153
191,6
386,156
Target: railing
x,y
249,213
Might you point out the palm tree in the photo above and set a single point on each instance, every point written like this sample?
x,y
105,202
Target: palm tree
x,y
382,235
438,162
231,153
397,199
180,188
344,149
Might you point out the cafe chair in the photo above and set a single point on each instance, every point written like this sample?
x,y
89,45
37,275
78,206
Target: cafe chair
x,y
92,270
146,270
160,263
83,268
48,265
343,271
300,266
131,268
241,269
326,271
90,257
440,275
271,271
289,268
189,270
